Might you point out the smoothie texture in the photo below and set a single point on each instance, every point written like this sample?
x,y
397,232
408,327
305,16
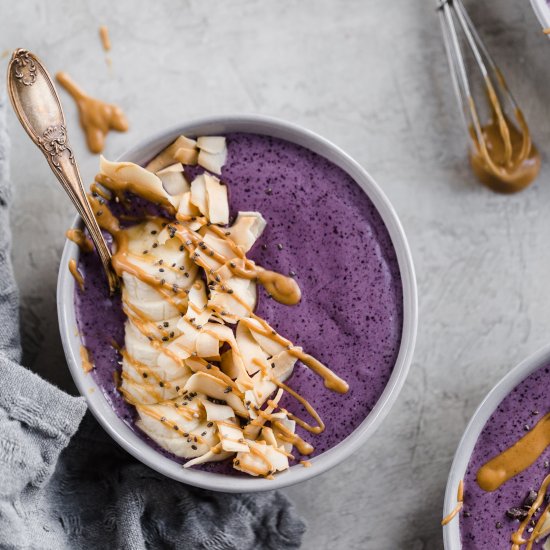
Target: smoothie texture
x,y
484,522
323,231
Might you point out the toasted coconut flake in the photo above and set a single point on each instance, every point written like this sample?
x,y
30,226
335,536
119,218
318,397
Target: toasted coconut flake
x,y
136,179
231,437
173,179
216,194
210,456
214,387
168,156
212,144
247,229
198,194
187,156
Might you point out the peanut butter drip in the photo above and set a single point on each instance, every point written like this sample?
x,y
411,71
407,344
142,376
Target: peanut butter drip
x,y
97,118
76,274
104,36
87,365
79,238
504,159
516,458
458,506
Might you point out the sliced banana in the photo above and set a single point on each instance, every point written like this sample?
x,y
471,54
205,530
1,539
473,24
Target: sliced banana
x,y
203,390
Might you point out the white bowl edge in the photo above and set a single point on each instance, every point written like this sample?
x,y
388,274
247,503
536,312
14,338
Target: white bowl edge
x,y
451,531
131,441
542,11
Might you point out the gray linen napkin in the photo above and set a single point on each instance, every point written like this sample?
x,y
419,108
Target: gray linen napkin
x,y
65,486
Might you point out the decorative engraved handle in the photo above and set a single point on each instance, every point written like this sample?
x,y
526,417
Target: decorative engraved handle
x,y
36,103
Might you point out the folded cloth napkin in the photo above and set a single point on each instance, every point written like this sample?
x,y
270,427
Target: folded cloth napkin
x,y
65,486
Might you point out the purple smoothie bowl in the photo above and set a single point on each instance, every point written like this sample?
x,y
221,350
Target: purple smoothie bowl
x,y
520,399
389,302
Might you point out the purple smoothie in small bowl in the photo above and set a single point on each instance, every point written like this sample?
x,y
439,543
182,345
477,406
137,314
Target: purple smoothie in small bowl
x,y
507,441
484,522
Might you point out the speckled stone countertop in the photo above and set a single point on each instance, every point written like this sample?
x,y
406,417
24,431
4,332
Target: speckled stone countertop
x,y
372,77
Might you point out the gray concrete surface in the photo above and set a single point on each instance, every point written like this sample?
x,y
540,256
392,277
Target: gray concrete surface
x,y
372,77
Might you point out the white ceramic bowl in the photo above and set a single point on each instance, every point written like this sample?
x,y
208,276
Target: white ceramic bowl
x,y
542,11
451,531
136,446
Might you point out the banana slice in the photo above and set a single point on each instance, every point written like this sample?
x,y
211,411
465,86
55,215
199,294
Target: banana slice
x,y
178,427
210,456
237,304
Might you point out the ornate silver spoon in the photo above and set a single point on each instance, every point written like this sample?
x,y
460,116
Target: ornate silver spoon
x,y
36,103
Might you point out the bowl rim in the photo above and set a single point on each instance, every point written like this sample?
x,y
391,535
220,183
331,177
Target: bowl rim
x,y
121,432
451,531
542,11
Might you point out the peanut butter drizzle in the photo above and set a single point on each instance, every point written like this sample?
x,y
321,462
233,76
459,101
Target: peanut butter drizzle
x,y
517,536
505,159
76,274
87,365
281,288
516,458
332,380
459,504
78,237
305,463
284,434
104,36
96,116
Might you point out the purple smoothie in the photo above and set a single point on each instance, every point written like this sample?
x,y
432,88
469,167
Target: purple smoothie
x,y
483,520
322,227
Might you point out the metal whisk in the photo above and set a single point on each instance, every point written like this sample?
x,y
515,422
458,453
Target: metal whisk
x,y
458,29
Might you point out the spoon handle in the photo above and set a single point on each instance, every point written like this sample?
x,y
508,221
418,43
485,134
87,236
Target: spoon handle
x,y
36,103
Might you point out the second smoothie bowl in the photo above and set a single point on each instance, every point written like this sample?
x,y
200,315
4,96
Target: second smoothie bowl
x,y
268,310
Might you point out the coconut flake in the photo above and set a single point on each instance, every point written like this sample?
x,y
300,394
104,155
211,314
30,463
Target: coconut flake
x,y
167,156
247,229
216,198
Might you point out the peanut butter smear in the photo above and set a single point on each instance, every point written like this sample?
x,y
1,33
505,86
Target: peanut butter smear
x,y
516,458
504,159
76,274
97,118
87,365
79,238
